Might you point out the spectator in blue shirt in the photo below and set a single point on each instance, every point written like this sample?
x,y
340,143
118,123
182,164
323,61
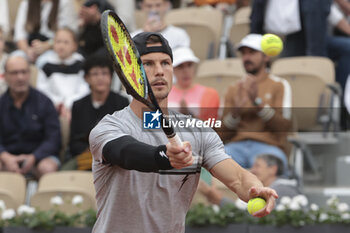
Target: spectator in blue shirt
x,y
29,127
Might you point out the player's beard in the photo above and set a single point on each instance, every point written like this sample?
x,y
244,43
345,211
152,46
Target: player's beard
x,y
161,94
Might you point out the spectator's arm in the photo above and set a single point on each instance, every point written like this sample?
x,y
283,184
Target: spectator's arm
x,y
279,118
344,26
77,141
229,123
335,16
344,5
52,140
20,33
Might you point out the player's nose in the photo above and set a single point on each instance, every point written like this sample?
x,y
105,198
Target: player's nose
x,y
159,69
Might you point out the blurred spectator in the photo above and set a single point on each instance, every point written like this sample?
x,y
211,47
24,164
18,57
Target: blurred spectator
x,y
339,46
29,126
156,11
257,111
311,40
88,111
344,5
226,6
3,57
191,98
212,2
126,12
269,169
37,21
4,18
90,38
62,77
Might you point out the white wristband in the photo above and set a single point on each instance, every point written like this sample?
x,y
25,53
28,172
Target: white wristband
x,y
266,113
230,122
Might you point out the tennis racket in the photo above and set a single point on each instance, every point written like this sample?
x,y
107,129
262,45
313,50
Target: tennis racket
x,y
128,65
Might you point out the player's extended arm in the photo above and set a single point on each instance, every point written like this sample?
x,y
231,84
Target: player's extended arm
x,y
131,154
244,184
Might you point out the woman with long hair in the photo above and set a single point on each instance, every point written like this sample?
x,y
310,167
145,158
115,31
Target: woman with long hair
x,y
36,22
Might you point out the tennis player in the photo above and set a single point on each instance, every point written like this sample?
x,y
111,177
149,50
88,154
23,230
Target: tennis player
x,y
145,184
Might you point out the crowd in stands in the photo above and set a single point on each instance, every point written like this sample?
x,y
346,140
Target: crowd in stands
x,y
61,40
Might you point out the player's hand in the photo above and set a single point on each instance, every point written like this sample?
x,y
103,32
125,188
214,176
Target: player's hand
x,y
268,194
180,156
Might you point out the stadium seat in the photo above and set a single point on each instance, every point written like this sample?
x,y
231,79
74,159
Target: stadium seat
x,y
316,107
316,95
12,189
140,18
237,32
240,26
65,184
33,75
65,131
220,74
242,15
204,26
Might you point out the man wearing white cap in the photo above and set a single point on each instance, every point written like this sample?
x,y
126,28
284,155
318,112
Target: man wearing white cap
x,y
257,111
191,98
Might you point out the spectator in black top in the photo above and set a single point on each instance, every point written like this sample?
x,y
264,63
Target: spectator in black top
x,y
30,136
89,110
90,39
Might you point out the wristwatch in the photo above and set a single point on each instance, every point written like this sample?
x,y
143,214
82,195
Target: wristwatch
x,y
257,101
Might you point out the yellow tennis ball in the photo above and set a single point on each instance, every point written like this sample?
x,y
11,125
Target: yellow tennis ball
x,y
255,204
271,45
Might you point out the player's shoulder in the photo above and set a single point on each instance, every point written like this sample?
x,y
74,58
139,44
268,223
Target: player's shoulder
x,y
118,116
117,119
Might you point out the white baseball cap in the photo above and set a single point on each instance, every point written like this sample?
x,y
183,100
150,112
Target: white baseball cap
x,y
252,41
183,54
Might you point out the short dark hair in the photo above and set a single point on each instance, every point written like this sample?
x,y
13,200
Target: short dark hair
x,y
273,160
98,60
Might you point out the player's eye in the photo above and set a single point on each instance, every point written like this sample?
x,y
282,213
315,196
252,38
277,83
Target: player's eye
x,y
147,63
165,63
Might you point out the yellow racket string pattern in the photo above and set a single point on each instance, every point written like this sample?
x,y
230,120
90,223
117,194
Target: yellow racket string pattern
x,y
126,57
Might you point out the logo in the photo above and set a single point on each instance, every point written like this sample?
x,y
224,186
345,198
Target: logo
x,y
151,120
162,153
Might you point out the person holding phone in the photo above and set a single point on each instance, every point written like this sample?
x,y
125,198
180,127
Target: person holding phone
x,y
155,22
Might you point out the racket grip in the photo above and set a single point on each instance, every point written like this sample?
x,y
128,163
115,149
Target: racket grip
x,y
175,140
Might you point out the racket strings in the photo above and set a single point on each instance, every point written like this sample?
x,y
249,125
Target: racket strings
x,y
125,56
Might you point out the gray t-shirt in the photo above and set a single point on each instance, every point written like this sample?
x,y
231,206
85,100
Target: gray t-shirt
x,y
130,201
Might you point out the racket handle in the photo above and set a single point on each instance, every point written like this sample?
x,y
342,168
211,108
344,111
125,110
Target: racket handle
x,y
175,140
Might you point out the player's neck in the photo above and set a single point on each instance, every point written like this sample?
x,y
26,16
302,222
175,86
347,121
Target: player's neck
x,y
138,108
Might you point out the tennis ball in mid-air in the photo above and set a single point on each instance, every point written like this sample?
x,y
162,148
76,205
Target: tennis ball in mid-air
x,y
271,45
255,204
